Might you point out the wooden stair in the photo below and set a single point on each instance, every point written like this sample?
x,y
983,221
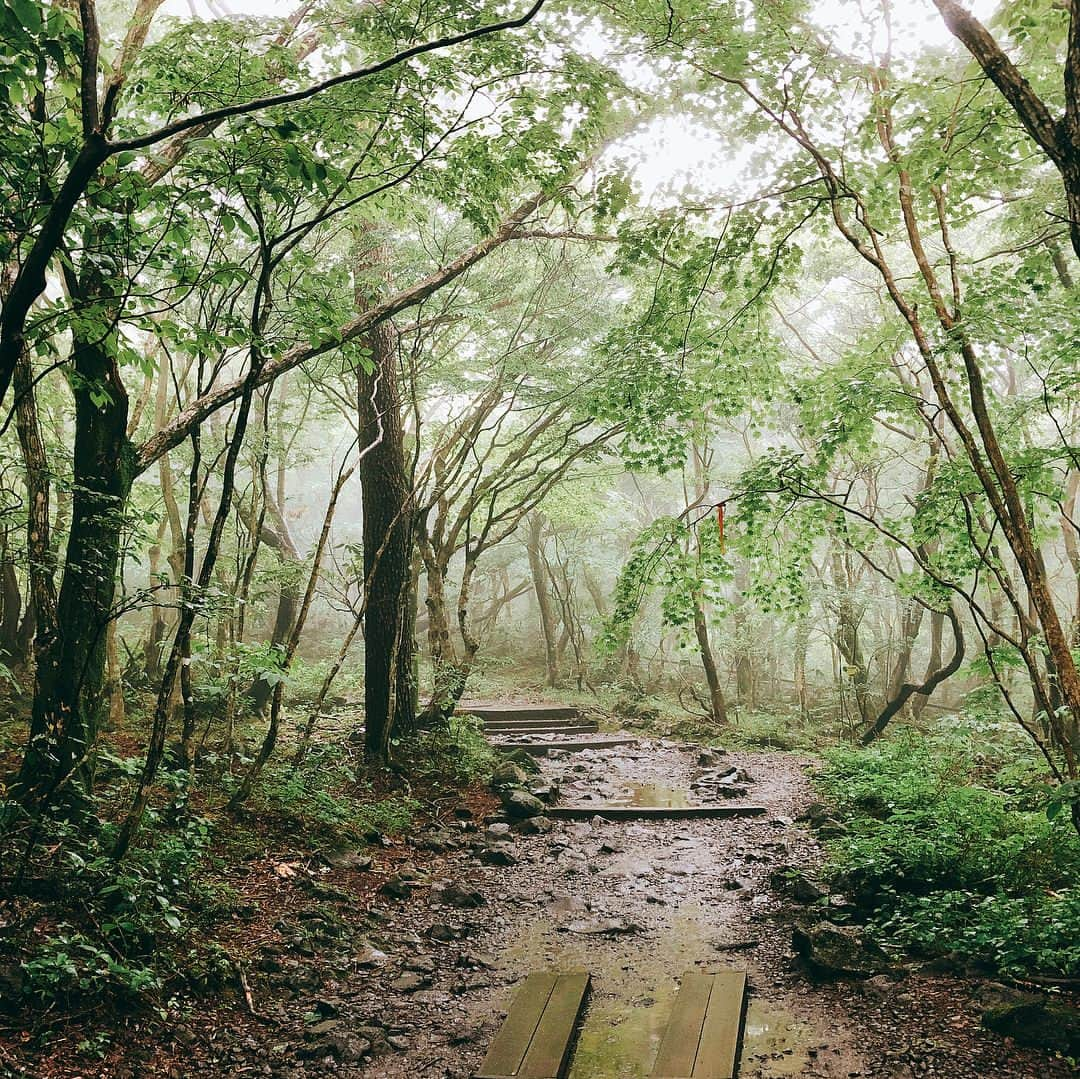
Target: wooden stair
x,y
519,713
703,1034
542,749
540,728
721,811
536,1037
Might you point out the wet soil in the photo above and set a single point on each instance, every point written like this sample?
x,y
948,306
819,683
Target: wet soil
x,y
355,982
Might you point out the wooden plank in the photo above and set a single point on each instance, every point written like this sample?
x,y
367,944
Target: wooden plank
x,y
542,732
679,1046
549,1052
721,811
541,749
548,712
510,1044
719,1047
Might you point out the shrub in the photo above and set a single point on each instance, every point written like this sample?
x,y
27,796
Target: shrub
x,y
114,927
324,794
942,859
458,753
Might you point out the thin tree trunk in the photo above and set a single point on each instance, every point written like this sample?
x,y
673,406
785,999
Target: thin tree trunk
x,y
717,705
243,792
923,689
533,547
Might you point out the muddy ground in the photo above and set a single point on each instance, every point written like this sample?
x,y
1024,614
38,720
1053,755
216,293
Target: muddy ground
x,y
350,981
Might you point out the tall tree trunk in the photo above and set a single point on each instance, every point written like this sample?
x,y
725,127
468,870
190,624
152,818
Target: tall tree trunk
x,y
934,678
937,625
10,608
389,692
68,698
910,623
1069,527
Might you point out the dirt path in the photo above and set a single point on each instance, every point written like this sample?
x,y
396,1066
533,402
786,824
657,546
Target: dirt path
x,y
418,987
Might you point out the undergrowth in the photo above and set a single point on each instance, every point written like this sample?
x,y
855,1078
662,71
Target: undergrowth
x,y
83,930
951,851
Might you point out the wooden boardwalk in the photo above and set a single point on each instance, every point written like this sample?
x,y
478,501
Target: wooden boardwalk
x,y
719,811
701,1040
703,1034
535,1040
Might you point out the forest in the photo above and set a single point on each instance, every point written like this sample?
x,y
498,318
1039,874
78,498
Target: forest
x,y
489,489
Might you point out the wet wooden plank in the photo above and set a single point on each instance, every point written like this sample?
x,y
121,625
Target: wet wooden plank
x,y
549,1053
534,1041
540,732
679,1046
702,1036
511,1043
718,1050
720,811
524,711
542,749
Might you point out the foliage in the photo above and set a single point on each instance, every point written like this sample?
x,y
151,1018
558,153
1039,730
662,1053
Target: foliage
x,y
323,794
117,929
458,754
946,855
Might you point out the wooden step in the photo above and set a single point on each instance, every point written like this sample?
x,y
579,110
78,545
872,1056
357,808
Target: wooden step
x,y
719,811
542,749
583,728
490,724
702,1036
547,712
535,1039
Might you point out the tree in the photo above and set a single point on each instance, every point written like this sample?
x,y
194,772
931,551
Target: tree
x,y
1058,136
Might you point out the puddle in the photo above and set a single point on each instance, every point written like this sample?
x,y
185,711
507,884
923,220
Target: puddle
x,y
652,795
634,985
775,1042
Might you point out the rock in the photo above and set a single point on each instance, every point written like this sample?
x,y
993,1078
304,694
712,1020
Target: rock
x,y
442,933
831,829
323,1027
608,927
452,893
729,790
409,982
500,830
369,958
879,987
834,951
709,758
343,1047
461,1035
520,804
437,841
499,854
396,888
1038,1024
535,825
569,904
790,881
347,859
509,774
